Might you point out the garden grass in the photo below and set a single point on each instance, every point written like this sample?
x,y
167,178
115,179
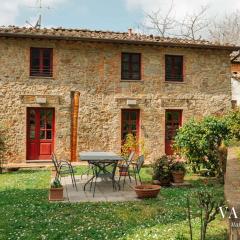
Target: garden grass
x,y
27,214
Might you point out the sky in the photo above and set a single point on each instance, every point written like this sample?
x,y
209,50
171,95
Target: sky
x,y
116,15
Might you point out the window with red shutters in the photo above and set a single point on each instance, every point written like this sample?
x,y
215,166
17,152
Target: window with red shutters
x,y
41,62
174,68
131,66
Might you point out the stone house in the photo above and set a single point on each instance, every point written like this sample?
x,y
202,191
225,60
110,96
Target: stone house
x,y
127,82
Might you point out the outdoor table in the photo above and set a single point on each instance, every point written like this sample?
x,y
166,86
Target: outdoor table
x,y
100,161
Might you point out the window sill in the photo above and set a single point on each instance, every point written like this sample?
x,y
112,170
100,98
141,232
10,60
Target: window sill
x,y
39,77
175,82
137,81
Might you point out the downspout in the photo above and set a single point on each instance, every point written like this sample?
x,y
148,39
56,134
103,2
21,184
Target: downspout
x,y
74,130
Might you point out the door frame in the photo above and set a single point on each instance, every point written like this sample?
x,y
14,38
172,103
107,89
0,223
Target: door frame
x,y
165,130
27,133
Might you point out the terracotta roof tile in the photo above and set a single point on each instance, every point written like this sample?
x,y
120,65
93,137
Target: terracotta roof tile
x,y
89,35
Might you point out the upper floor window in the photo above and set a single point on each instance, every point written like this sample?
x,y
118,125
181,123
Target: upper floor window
x,y
41,62
131,66
173,68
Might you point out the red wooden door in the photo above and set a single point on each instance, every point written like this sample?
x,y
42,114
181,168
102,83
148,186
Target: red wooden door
x,y
130,122
40,133
173,120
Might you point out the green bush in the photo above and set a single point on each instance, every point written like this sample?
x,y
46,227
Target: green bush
x,y
232,120
199,142
161,169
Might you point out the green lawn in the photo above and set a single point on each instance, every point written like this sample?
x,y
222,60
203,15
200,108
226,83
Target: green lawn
x,y
27,214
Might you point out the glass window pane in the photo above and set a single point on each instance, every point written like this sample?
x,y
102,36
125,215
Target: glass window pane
x,y
133,115
135,76
42,134
135,58
32,134
49,124
125,57
42,118
168,116
49,134
135,68
176,116
47,53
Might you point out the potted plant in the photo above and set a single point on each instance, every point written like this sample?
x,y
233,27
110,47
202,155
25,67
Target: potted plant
x,y
178,170
56,190
161,171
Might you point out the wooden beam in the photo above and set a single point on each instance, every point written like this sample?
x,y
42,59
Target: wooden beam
x,y
74,130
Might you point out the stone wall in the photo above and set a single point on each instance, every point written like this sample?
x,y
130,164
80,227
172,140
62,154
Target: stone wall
x,y
94,69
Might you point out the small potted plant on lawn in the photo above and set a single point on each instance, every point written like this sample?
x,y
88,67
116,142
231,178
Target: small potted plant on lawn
x,y
56,190
178,170
161,171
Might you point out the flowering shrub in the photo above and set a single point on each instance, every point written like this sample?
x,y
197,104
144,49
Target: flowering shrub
x,y
131,143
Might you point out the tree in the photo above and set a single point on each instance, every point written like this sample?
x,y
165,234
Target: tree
x,y
194,24
165,25
209,208
226,30
162,24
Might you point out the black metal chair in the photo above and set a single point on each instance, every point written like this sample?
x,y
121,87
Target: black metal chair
x,y
126,166
63,167
137,168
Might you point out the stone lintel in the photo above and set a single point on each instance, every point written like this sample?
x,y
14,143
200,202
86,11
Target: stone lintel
x,y
34,99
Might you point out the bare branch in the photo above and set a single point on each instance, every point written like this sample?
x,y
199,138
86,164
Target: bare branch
x,y
193,24
162,24
227,30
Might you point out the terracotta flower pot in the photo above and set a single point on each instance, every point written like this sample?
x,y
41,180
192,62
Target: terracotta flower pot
x,y
147,191
56,194
178,176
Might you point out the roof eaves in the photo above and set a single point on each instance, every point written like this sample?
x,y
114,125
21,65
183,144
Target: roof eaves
x,y
122,41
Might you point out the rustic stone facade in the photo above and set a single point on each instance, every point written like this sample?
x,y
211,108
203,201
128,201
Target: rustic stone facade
x,y
94,69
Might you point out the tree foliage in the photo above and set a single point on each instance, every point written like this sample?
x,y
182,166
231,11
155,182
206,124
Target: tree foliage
x,y
232,120
199,142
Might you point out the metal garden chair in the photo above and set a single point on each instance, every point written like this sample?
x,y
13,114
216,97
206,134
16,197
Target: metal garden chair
x,y
63,167
126,166
137,168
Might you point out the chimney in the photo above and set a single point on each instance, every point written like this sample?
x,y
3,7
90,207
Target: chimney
x,y
130,32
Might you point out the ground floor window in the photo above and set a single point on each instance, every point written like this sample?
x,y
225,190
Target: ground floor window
x,y
173,120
